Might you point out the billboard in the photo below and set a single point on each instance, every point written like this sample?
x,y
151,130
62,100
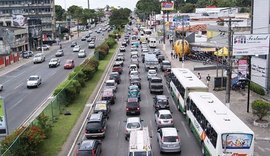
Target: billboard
x,y
254,44
167,5
19,21
3,121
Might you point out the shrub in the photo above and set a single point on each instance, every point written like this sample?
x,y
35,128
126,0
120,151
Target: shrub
x,y
26,144
89,72
111,42
257,88
261,109
45,124
94,62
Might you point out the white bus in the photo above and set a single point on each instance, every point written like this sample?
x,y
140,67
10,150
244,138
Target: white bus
x,y
219,131
183,81
139,143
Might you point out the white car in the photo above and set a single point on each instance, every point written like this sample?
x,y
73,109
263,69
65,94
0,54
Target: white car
x,y
91,45
135,72
38,58
111,84
151,73
77,48
133,123
54,62
33,81
81,54
164,118
122,49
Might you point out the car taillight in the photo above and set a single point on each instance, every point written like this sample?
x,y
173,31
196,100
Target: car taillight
x,y
102,130
138,108
177,138
159,121
127,108
172,121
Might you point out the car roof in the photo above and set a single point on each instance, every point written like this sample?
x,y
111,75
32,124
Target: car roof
x,y
132,65
133,119
54,59
157,78
151,70
161,97
96,116
101,102
86,145
166,61
34,76
164,111
114,73
110,81
169,131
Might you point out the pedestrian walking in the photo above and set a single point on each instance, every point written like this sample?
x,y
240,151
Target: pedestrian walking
x,y
176,56
208,78
172,54
199,76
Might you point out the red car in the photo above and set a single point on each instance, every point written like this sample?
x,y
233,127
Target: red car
x,y
69,64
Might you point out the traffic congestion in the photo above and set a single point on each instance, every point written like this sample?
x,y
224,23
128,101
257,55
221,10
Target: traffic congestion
x,y
134,113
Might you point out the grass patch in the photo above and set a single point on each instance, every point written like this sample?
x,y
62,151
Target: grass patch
x,y
61,129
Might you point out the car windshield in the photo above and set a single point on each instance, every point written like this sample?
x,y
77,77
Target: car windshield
x,y
85,153
94,125
53,60
142,153
133,125
69,61
38,55
132,104
152,72
109,84
170,139
162,102
165,116
156,80
33,78
166,63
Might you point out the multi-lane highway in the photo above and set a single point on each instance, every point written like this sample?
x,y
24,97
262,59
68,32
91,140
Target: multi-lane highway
x,y
114,144
20,102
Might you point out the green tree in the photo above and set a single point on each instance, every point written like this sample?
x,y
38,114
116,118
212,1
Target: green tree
x,y
119,17
99,14
145,7
88,14
76,12
59,13
188,8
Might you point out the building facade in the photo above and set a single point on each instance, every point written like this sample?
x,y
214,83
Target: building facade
x,y
261,25
17,12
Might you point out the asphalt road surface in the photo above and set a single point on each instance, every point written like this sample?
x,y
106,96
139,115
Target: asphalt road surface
x,y
114,144
20,102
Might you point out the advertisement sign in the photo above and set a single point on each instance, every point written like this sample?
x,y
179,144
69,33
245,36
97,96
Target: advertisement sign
x,y
3,125
251,44
19,21
236,141
167,5
243,67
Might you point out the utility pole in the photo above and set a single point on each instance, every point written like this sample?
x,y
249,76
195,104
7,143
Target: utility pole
x,y
88,4
229,67
183,42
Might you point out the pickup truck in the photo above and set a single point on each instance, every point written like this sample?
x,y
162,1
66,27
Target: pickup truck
x,y
117,67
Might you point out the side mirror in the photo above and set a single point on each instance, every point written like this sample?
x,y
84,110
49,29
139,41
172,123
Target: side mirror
x,y
141,120
79,144
125,121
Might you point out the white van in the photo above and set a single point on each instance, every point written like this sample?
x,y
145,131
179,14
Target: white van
x,y
139,143
152,43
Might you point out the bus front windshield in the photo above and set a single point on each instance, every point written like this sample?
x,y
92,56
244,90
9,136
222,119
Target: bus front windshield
x,y
237,140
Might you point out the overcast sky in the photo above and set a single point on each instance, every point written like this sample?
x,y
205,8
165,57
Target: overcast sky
x,y
97,3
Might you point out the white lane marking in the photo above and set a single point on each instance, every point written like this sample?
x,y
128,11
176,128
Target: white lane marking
x,y
18,85
186,130
268,149
13,77
117,134
16,104
260,148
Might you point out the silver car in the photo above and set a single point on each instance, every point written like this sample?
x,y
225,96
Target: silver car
x,y
132,123
33,81
77,48
168,140
164,118
81,54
